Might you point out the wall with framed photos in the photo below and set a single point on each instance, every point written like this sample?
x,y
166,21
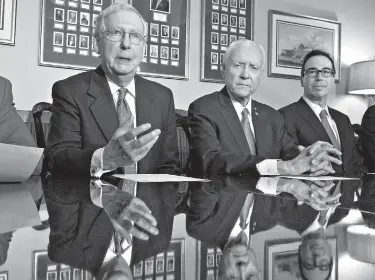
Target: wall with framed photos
x,y
356,45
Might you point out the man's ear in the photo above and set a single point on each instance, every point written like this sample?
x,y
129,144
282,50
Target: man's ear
x,y
96,47
301,81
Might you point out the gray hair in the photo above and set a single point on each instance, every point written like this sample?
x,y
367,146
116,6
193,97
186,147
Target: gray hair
x,y
115,8
243,42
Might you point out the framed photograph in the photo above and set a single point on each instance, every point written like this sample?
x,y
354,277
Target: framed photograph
x,y
163,6
175,55
51,275
66,31
173,17
281,259
8,22
64,274
175,32
138,269
219,30
291,37
165,31
208,260
72,17
4,275
159,265
77,274
149,266
164,52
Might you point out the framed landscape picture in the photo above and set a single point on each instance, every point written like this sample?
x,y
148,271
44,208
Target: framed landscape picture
x,y
291,37
8,22
281,259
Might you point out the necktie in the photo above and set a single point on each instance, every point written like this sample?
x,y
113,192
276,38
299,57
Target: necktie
x,y
124,114
245,210
323,213
245,122
324,117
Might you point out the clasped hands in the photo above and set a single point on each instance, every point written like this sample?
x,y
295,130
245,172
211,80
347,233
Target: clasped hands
x,y
125,149
315,159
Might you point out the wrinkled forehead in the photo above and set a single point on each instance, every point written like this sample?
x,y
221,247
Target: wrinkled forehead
x,y
249,53
319,62
124,18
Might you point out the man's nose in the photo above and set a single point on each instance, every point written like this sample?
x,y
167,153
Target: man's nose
x,y
125,43
245,74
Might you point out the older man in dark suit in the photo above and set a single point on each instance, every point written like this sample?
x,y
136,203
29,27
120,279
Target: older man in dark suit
x,y
310,119
231,133
95,115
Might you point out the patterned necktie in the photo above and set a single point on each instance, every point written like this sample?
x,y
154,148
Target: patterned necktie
x,y
324,117
124,114
245,210
245,122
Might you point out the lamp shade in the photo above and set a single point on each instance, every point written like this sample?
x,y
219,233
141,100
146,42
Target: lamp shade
x,y
361,243
362,78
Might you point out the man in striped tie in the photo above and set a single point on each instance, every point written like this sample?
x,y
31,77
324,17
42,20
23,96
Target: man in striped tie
x,y
310,119
234,134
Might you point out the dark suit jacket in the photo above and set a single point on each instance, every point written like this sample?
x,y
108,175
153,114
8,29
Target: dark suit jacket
x,y
305,128
80,232
163,6
12,128
218,142
84,119
215,209
368,138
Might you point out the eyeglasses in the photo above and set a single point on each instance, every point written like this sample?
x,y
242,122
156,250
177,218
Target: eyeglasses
x,y
116,35
313,72
323,266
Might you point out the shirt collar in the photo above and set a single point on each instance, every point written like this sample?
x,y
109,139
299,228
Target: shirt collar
x,y
114,87
315,107
238,106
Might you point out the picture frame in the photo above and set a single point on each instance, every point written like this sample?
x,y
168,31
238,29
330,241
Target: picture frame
x,y
208,258
4,275
291,36
45,269
169,264
222,21
66,33
8,22
280,261
168,29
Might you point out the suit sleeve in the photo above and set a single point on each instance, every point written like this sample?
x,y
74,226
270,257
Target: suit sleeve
x,y
208,156
169,156
368,138
65,153
12,128
289,138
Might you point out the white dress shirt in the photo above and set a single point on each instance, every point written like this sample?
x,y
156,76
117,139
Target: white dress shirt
x,y
96,190
97,169
268,186
267,166
317,109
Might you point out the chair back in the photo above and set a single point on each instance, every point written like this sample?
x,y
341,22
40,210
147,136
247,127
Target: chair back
x,y
41,113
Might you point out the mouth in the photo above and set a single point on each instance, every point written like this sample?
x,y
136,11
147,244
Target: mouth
x,y
124,59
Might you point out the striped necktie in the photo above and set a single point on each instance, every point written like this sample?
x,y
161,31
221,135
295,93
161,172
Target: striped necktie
x,y
245,122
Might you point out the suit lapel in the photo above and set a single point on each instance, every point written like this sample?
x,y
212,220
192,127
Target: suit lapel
x,y
231,118
309,116
146,112
101,103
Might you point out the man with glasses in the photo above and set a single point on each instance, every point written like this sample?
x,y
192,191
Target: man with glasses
x,y
310,119
101,122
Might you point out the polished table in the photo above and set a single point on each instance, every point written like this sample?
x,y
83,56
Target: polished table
x,y
283,214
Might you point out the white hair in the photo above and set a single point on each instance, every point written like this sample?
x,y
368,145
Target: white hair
x,y
246,43
115,8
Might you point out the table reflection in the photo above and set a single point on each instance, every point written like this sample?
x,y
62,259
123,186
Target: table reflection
x,y
290,229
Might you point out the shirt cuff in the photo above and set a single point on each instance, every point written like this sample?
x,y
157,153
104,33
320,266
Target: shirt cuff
x,y
268,167
96,193
268,185
96,169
